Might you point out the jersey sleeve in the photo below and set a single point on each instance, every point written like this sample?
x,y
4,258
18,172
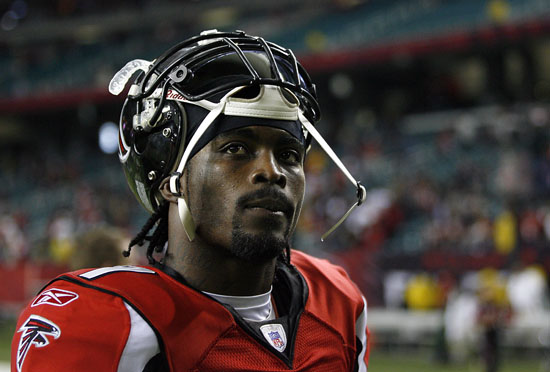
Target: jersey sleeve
x,y
71,327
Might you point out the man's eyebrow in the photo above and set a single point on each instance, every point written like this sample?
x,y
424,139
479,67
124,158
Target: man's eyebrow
x,y
289,140
281,140
240,132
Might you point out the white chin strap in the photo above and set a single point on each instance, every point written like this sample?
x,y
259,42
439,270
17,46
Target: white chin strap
x,y
186,219
270,104
361,191
183,209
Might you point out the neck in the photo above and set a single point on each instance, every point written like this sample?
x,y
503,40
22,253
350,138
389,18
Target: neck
x,y
206,271
212,269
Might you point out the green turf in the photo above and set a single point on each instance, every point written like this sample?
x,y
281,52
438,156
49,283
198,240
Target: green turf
x,y
7,328
384,361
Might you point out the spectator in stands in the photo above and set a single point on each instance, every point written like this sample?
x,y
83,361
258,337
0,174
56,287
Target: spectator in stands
x,y
494,313
99,247
527,289
13,245
61,237
460,323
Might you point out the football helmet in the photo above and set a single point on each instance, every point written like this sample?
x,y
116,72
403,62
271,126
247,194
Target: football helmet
x,y
173,101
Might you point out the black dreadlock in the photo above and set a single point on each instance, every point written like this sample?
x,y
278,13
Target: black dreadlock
x,y
287,258
159,237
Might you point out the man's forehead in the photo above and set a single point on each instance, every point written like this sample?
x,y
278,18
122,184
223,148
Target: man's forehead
x,y
226,124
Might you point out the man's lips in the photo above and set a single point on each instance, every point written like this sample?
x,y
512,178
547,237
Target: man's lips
x,y
275,206
267,202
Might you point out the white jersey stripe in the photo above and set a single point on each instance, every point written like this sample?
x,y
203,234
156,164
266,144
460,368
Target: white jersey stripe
x,y
361,333
93,274
141,346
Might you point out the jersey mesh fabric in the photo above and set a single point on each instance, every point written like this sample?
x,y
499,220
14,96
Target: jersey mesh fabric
x,y
237,351
318,348
326,344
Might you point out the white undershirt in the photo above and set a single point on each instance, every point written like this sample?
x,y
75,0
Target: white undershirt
x,y
252,308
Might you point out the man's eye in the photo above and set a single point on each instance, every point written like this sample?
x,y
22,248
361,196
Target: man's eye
x,y
235,149
291,156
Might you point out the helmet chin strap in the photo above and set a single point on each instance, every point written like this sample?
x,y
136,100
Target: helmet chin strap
x,y
361,191
186,219
183,209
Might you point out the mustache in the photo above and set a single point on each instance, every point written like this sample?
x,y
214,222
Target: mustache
x,y
276,197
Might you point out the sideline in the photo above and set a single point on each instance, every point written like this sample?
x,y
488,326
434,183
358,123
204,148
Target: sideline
x,y
4,367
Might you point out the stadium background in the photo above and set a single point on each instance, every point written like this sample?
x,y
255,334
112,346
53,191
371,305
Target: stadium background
x,y
440,107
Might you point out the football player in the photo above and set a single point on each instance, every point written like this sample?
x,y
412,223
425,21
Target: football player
x,y
213,137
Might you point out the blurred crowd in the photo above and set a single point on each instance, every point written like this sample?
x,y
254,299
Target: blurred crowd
x,y
473,194
53,197
457,217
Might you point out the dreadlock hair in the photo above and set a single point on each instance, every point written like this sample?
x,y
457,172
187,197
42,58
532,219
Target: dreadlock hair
x,y
285,257
159,237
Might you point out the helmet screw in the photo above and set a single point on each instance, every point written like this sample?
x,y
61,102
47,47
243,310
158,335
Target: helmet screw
x,y
166,132
152,175
179,74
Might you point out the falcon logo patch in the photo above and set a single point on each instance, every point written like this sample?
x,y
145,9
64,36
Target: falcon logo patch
x,y
275,335
36,331
54,297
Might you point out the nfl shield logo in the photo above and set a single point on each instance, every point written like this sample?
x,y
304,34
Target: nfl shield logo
x,y
276,339
275,335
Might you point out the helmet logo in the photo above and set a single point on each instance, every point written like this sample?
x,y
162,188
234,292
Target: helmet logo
x,y
173,95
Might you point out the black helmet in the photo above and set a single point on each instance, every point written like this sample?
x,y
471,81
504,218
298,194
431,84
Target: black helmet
x,y
171,96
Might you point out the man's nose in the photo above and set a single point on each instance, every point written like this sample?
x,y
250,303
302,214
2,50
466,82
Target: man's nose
x,y
267,169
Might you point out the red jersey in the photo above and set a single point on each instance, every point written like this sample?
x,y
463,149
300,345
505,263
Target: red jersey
x,y
140,318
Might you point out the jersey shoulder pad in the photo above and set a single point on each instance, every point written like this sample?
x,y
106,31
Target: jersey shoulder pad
x,y
63,316
332,296
326,276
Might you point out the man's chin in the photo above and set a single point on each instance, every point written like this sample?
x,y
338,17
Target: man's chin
x,y
257,247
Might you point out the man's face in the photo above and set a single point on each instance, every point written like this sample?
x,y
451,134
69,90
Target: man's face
x,y
245,191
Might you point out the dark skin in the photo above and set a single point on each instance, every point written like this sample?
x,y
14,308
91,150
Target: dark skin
x,y
246,182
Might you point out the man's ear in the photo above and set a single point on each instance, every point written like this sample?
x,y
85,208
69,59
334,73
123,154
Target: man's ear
x,y
164,189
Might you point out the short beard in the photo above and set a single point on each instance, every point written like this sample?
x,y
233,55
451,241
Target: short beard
x,y
256,248
262,246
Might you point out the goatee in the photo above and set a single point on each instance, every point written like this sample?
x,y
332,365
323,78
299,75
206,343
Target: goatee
x,y
256,247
